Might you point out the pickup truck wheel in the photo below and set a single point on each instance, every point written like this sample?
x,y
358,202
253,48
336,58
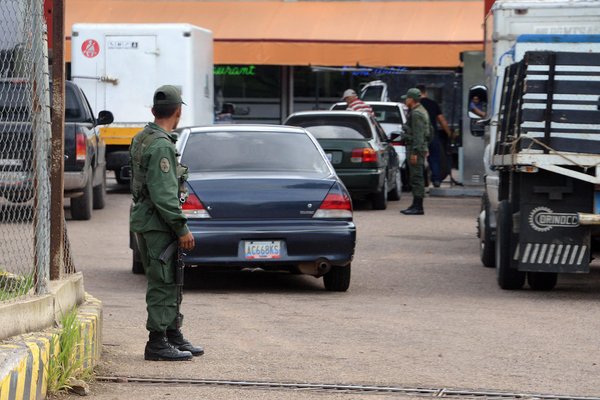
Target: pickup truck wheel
x,y
81,207
396,192
487,246
337,279
543,281
508,278
100,193
380,198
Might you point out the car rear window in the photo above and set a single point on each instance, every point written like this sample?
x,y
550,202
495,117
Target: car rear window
x,y
387,114
333,126
253,151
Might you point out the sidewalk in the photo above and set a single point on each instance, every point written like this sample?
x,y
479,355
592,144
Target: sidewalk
x,y
24,358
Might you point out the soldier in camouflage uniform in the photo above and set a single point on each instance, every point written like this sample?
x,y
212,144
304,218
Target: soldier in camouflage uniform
x,y
157,220
416,132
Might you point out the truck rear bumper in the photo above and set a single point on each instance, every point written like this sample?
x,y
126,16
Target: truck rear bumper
x,y
75,181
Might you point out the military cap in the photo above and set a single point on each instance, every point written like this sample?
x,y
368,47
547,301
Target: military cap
x,y
412,93
167,95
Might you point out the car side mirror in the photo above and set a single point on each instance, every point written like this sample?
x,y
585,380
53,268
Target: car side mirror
x,y
395,136
105,118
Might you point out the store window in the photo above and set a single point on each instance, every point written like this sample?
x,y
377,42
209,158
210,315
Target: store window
x,y
252,91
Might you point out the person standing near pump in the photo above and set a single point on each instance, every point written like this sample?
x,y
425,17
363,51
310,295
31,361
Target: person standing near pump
x,y
157,187
354,103
416,130
438,142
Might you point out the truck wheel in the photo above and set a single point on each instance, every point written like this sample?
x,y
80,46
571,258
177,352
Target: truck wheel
x,y
380,198
81,207
338,278
508,278
487,246
543,281
396,192
100,193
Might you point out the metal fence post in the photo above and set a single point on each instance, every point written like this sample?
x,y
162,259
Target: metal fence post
x,y
57,217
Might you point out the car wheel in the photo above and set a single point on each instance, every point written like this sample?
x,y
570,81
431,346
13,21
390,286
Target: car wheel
x,y
100,193
487,246
543,281
380,198
508,277
81,207
338,278
396,192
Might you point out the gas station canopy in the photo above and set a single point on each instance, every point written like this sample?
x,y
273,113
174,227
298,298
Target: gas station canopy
x,y
405,33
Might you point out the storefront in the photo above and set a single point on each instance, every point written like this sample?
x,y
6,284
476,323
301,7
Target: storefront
x,y
273,58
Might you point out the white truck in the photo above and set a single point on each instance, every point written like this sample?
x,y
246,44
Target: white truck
x,y
543,126
120,65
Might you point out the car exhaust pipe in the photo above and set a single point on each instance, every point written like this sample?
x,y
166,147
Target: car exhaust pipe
x,y
317,269
323,266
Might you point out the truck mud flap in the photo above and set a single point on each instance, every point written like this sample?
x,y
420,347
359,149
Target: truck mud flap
x,y
550,236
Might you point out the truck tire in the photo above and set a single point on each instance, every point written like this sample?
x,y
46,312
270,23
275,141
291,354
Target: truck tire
x,y
542,281
396,192
508,278
81,207
380,198
99,194
338,278
487,245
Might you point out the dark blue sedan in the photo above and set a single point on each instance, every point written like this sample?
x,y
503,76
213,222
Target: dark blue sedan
x,y
266,197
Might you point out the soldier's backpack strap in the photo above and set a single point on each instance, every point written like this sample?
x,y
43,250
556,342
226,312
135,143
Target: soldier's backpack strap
x,y
139,189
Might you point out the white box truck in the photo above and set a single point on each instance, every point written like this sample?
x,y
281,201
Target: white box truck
x,y
119,66
543,131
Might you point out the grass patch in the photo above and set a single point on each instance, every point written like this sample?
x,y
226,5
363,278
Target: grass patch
x,y
64,364
12,286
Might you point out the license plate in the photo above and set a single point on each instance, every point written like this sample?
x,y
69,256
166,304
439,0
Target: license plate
x,y
267,250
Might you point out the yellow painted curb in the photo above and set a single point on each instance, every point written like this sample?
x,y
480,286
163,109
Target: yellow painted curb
x,y
24,359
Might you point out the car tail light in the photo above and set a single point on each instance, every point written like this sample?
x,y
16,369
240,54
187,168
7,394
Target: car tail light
x,y
363,155
193,207
80,147
398,143
335,205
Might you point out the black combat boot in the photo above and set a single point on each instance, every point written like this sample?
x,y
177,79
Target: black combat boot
x,y
416,208
410,207
177,340
158,348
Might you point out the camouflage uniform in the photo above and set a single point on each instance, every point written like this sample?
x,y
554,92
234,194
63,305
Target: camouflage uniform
x,y
157,219
416,132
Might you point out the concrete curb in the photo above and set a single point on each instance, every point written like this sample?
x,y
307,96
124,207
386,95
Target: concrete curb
x,y
24,359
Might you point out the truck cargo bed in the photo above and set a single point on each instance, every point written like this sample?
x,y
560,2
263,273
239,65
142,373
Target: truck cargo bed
x,y
550,110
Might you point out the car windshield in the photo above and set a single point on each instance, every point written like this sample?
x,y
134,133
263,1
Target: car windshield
x,y
387,114
333,126
253,151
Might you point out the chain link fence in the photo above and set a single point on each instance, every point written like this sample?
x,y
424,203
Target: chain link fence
x,y
25,133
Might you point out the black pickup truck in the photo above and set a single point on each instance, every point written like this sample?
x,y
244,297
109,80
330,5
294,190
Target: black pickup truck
x,y
84,166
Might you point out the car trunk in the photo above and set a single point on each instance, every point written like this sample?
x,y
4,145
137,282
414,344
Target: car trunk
x,y
259,195
339,151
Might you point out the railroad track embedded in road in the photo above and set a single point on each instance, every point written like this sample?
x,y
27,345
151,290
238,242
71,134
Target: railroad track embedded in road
x,y
343,388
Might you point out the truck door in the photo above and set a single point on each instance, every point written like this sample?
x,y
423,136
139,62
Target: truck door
x,y
133,61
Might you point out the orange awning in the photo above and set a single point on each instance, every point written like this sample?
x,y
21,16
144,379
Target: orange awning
x,y
407,33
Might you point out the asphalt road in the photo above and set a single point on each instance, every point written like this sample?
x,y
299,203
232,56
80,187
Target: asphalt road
x,y
421,312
